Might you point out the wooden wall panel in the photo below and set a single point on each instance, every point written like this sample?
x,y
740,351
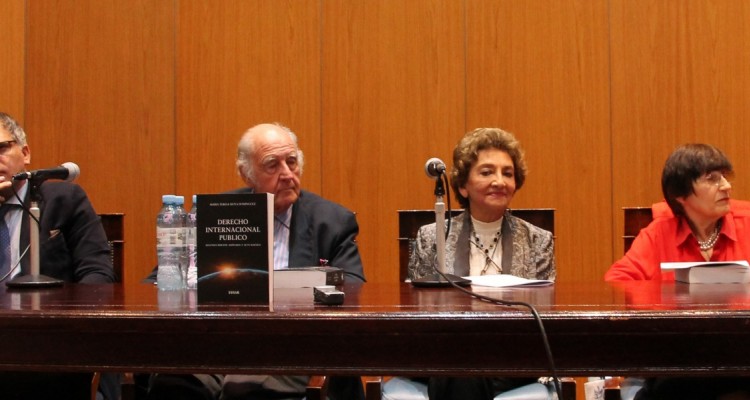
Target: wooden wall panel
x,y
100,93
151,96
12,23
242,63
393,96
539,69
679,74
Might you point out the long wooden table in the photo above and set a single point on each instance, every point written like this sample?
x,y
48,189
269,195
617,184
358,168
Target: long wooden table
x,y
593,328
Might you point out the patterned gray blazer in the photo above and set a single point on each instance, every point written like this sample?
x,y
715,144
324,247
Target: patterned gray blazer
x,y
528,251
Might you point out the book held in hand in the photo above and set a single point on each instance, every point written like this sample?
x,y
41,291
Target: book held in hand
x,y
709,271
235,248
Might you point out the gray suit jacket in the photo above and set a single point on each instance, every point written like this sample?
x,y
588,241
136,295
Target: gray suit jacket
x,y
528,251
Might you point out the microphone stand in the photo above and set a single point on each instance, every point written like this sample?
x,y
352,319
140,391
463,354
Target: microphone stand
x,y
439,279
34,278
440,224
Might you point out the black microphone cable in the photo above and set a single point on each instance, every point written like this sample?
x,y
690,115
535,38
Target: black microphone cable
x,y
448,199
26,211
534,313
18,263
507,303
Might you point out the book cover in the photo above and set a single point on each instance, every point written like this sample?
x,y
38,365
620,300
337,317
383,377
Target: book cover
x,y
709,271
235,248
298,277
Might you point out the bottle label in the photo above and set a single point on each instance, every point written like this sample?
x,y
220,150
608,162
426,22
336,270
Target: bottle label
x,y
169,237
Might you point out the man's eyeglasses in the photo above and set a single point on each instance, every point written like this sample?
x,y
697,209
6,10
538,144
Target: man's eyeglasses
x,y
6,145
716,178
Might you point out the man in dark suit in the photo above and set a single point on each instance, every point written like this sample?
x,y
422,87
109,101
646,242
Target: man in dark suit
x,y
308,230
72,243
72,248
321,231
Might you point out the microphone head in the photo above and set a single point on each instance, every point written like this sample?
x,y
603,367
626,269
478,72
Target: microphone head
x,y
434,167
73,171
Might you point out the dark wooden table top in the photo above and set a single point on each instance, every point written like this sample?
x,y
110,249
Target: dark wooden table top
x,y
593,328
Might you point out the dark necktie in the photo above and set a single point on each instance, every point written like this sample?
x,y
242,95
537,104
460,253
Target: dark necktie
x,y
5,240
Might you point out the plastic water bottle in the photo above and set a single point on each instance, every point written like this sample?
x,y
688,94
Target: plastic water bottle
x,y
192,248
169,244
182,234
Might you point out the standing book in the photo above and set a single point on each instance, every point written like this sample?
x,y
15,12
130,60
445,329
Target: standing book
x,y
235,248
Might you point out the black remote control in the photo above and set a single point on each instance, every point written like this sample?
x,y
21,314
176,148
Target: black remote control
x,y
328,295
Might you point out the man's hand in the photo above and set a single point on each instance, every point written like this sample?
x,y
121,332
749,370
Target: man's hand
x,y
5,188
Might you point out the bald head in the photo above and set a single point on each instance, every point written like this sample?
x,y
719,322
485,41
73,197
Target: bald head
x,y
269,160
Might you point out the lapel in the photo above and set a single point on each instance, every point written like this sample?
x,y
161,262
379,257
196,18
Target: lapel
x,y
461,257
507,242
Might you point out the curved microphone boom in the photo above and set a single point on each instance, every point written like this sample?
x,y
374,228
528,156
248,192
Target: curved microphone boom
x,y
434,167
68,172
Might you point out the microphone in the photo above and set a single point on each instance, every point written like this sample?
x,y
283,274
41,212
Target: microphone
x,y
68,172
434,167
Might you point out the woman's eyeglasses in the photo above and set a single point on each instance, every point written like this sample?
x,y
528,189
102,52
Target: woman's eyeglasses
x,y
715,178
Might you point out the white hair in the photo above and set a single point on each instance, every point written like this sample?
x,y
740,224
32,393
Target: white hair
x,y
246,151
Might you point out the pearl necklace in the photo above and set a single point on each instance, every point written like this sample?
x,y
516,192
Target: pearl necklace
x,y
709,243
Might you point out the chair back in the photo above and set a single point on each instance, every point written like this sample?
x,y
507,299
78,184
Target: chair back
x,y
636,218
114,228
409,222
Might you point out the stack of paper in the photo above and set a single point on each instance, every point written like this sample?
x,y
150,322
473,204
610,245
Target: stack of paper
x,y
504,280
